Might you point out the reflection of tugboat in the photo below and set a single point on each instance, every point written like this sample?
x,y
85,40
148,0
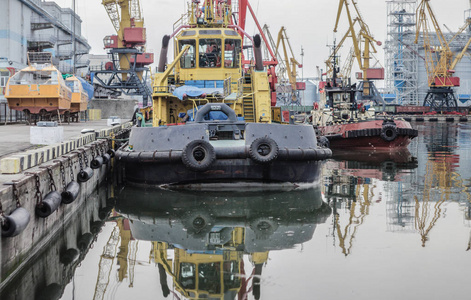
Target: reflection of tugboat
x,y
348,123
383,165
39,88
210,233
221,114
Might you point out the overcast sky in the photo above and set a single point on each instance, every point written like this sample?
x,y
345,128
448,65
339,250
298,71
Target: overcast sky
x,y
308,22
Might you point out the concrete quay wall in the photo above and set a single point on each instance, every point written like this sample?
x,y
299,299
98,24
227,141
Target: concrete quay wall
x,y
17,251
52,269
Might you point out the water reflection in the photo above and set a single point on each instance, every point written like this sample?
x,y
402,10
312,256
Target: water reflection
x,y
199,239
352,180
46,277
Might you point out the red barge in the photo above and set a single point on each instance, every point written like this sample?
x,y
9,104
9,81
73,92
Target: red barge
x,y
344,122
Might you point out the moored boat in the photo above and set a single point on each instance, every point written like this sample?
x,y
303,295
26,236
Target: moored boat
x,y
79,95
204,132
38,88
350,124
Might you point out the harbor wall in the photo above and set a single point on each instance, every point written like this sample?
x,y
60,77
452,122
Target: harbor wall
x,y
119,107
19,250
54,266
32,177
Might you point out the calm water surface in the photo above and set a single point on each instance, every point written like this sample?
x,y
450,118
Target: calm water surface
x,y
393,226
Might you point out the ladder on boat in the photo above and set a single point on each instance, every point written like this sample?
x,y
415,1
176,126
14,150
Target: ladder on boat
x,y
248,99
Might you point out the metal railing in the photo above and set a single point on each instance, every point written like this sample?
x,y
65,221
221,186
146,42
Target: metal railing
x,y
8,116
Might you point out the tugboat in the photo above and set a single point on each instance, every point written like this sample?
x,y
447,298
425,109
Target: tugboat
x,y
39,89
345,123
212,116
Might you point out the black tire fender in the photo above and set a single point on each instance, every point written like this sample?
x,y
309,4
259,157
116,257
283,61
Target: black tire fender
x,y
263,150
323,142
198,155
389,132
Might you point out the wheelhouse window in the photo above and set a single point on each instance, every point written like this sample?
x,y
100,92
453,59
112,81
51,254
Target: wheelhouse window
x,y
231,53
188,59
188,275
210,53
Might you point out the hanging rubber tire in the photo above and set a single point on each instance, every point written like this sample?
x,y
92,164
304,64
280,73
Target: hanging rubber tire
x,y
263,227
323,142
198,155
198,223
263,150
389,132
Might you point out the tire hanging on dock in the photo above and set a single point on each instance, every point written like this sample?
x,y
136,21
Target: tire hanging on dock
x,y
263,150
198,155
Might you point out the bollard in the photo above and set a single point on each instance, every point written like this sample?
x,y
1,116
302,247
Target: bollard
x,y
15,223
71,192
85,174
50,204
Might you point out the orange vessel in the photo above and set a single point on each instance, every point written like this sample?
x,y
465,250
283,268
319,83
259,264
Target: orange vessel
x,y
39,88
79,96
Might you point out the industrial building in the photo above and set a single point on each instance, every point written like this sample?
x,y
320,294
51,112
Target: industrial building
x,y
406,80
38,25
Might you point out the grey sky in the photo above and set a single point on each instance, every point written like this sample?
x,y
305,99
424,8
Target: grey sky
x,y
309,22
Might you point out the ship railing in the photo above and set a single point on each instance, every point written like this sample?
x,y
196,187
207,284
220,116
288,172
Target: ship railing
x,y
240,87
8,116
227,86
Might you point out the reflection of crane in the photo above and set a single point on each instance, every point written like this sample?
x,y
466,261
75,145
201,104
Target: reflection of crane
x,y
436,176
359,209
128,70
363,49
439,60
106,264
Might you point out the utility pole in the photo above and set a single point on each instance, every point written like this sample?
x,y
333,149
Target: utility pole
x,y
73,38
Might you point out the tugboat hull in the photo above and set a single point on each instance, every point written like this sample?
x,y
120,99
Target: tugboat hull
x,y
229,151
148,174
375,134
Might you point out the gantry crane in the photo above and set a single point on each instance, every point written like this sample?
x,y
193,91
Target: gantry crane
x,y
128,71
439,60
287,86
363,49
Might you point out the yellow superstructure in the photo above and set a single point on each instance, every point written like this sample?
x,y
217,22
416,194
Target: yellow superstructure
x,y
208,56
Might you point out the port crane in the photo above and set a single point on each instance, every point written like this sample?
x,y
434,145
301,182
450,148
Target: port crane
x,y
440,61
362,51
128,71
286,70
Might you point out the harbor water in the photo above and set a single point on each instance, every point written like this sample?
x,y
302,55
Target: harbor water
x,y
376,226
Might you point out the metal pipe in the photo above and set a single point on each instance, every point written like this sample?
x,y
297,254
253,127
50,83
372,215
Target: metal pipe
x,y
163,54
257,43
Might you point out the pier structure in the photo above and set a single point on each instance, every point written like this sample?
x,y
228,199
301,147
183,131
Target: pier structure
x,y
30,177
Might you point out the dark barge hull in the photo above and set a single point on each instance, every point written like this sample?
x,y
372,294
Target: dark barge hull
x,y
223,170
